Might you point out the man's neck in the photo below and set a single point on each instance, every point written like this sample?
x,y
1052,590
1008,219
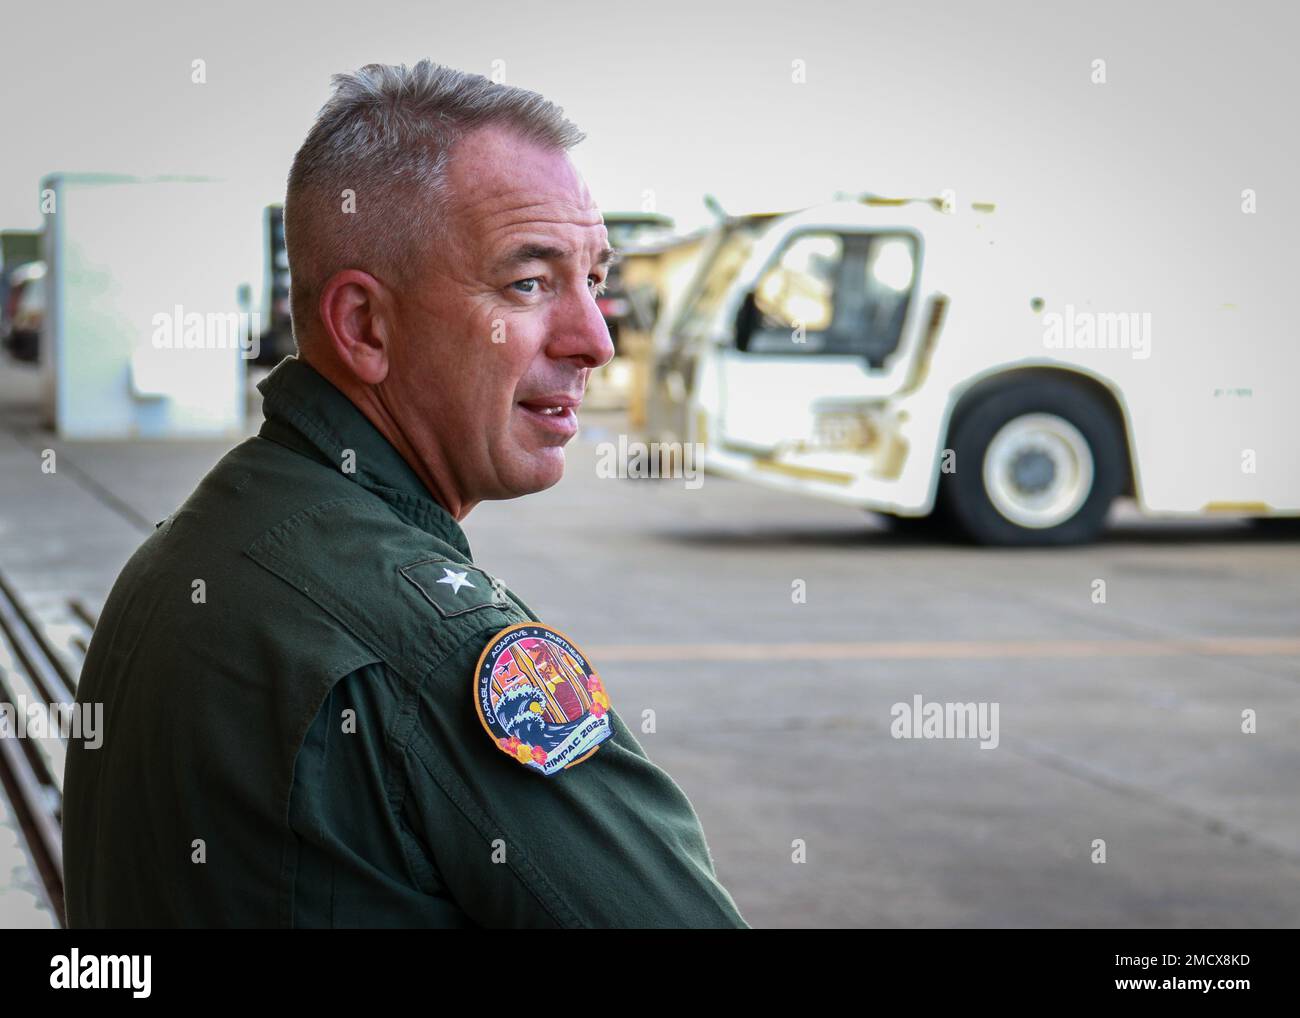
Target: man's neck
x,y
369,400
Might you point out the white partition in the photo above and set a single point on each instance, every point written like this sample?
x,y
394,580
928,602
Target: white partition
x,y
145,334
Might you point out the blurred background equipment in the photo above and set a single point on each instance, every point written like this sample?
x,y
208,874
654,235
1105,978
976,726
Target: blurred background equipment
x,y
25,311
892,355
277,332
148,322
22,293
628,315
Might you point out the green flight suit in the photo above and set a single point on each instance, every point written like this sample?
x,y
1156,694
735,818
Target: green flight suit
x,y
290,735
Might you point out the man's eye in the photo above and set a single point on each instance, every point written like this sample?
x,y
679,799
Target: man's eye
x,y
526,282
598,285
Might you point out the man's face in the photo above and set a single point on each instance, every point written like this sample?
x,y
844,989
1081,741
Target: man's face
x,y
500,330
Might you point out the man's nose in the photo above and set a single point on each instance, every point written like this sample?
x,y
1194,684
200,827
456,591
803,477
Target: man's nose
x,y
581,333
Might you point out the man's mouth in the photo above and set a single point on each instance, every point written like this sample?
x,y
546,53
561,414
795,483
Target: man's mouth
x,y
558,414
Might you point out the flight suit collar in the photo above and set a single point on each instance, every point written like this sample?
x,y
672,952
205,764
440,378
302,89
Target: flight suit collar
x,y
305,412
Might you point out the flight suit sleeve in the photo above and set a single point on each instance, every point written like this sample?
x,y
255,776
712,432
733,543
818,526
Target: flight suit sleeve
x,y
610,842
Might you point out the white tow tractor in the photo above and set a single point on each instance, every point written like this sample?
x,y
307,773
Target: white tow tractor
x,y
902,356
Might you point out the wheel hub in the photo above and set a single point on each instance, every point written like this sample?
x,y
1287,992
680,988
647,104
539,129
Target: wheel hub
x,y
1033,471
1038,470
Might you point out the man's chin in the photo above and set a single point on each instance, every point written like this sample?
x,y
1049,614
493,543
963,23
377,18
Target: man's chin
x,y
544,470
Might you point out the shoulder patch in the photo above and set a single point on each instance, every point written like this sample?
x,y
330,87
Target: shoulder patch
x,y
453,588
539,699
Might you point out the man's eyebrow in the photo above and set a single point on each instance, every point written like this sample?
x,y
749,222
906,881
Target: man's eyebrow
x,y
547,252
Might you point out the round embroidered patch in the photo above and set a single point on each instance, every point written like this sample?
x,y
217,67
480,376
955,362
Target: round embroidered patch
x,y
539,699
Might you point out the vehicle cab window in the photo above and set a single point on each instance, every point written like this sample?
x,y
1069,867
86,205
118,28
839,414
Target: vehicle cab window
x,y
833,293
795,300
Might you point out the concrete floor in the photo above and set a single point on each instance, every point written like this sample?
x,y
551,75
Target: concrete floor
x,y
775,716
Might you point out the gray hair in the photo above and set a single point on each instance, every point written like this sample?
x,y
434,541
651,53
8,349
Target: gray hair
x,y
387,133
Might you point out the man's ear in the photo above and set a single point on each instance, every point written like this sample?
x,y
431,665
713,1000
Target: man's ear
x,y
355,314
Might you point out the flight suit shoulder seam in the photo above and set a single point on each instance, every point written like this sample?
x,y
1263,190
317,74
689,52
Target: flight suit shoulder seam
x,y
301,515
262,551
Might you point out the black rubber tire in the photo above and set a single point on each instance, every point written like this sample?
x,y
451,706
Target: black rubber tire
x,y
1280,527
936,526
962,493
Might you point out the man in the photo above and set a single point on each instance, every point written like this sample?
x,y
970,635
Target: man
x,y
318,710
